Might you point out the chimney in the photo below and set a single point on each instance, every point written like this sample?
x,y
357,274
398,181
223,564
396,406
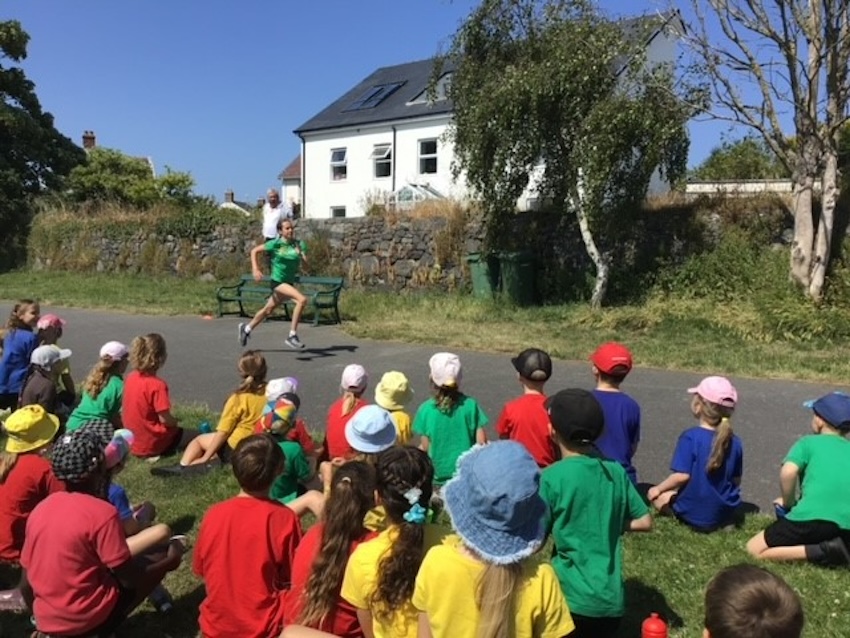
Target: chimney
x,y
89,141
228,196
261,201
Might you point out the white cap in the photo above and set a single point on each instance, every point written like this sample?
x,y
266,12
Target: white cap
x,y
114,350
354,378
48,356
276,387
445,369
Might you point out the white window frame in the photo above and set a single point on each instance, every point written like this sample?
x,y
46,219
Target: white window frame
x,y
335,210
382,155
339,164
423,157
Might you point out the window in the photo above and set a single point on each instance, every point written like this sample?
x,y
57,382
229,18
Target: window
x,y
427,156
441,92
339,164
337,211
383,157
374,96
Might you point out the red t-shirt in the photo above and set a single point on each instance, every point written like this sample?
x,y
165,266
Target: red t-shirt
x,y
145,396
335,444
30,482
524,419
73,541
342,621
244,555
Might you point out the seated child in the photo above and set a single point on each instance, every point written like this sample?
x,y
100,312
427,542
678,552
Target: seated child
x,y
297,470
393,393
352,385
146,405
487,580
79,577
816,527
241,412
704,489
450,422
144,538
26,477
245,549
745,601
591,503
50,328
381,572
612,362
40,383
19,340
321,557
103,388
275,388
524,419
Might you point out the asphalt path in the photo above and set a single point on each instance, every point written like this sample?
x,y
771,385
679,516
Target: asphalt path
x,y
201,367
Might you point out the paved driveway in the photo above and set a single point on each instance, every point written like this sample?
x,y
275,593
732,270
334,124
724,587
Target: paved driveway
x,y
202,368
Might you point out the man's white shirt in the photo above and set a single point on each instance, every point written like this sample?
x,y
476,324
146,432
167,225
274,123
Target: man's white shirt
x,y
272,217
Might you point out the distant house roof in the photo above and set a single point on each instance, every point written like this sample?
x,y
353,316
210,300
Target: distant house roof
x,y
388,94
292,170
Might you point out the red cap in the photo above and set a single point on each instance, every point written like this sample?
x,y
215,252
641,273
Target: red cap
x,y
611,355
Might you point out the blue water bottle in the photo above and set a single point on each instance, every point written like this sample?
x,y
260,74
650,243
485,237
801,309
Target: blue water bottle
x,y
205,427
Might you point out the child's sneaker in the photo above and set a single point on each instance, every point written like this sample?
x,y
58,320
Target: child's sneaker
x,y
294,342
161,599
835,552
243,334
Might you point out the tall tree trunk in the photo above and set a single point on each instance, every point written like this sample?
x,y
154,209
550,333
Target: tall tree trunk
x,y
601,261
823,239
802,197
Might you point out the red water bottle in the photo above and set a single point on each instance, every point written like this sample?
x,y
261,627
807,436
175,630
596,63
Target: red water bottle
x,y
653,627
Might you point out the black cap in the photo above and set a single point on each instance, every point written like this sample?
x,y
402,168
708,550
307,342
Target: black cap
x,y
575,415
292,398
533,364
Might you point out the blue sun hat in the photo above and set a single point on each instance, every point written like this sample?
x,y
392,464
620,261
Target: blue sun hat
x,y
370,430
494,503
834,408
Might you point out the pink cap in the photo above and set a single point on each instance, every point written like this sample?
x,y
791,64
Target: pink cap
x,y
114,350
50,321
717,390
354,378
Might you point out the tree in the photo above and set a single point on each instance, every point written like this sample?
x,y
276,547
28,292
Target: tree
x,y
34,156
554,90
746,158
794,55
111,176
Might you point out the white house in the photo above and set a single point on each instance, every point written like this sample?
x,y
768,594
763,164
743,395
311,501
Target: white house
x,y
384,137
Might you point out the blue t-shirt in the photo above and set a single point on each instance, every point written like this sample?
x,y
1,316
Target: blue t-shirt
x,y
707,500
622,429
118,497
18,345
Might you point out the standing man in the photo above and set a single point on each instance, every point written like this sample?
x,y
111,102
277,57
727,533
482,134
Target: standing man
x,y
273,213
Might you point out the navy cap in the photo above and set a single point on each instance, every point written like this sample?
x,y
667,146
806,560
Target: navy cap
x,y
834,408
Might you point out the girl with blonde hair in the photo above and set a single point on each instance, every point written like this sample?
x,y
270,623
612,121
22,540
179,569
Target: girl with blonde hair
x,y
103,388
352,385
703,489
485,581
238,418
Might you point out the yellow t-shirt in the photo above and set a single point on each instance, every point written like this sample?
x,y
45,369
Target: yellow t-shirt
x,y
361,577
402,427
240,415
445,591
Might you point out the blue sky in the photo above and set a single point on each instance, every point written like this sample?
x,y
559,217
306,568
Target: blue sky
x,y
216,88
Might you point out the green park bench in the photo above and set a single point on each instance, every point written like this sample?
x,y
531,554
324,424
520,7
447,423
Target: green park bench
x,y
322,294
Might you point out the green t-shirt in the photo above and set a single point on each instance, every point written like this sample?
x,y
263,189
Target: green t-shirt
x,y
105,406
296,470
450,434
823,460
591,502
285,259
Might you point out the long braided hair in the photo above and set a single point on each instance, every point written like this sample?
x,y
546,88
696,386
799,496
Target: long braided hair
x,y
403,474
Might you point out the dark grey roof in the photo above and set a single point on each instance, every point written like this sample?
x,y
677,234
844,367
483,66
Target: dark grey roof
x,y
414,75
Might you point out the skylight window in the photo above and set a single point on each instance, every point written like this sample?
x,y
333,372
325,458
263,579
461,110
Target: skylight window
x,y
441,91
374,96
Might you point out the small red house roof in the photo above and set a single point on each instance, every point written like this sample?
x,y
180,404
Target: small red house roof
x,y
292,170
